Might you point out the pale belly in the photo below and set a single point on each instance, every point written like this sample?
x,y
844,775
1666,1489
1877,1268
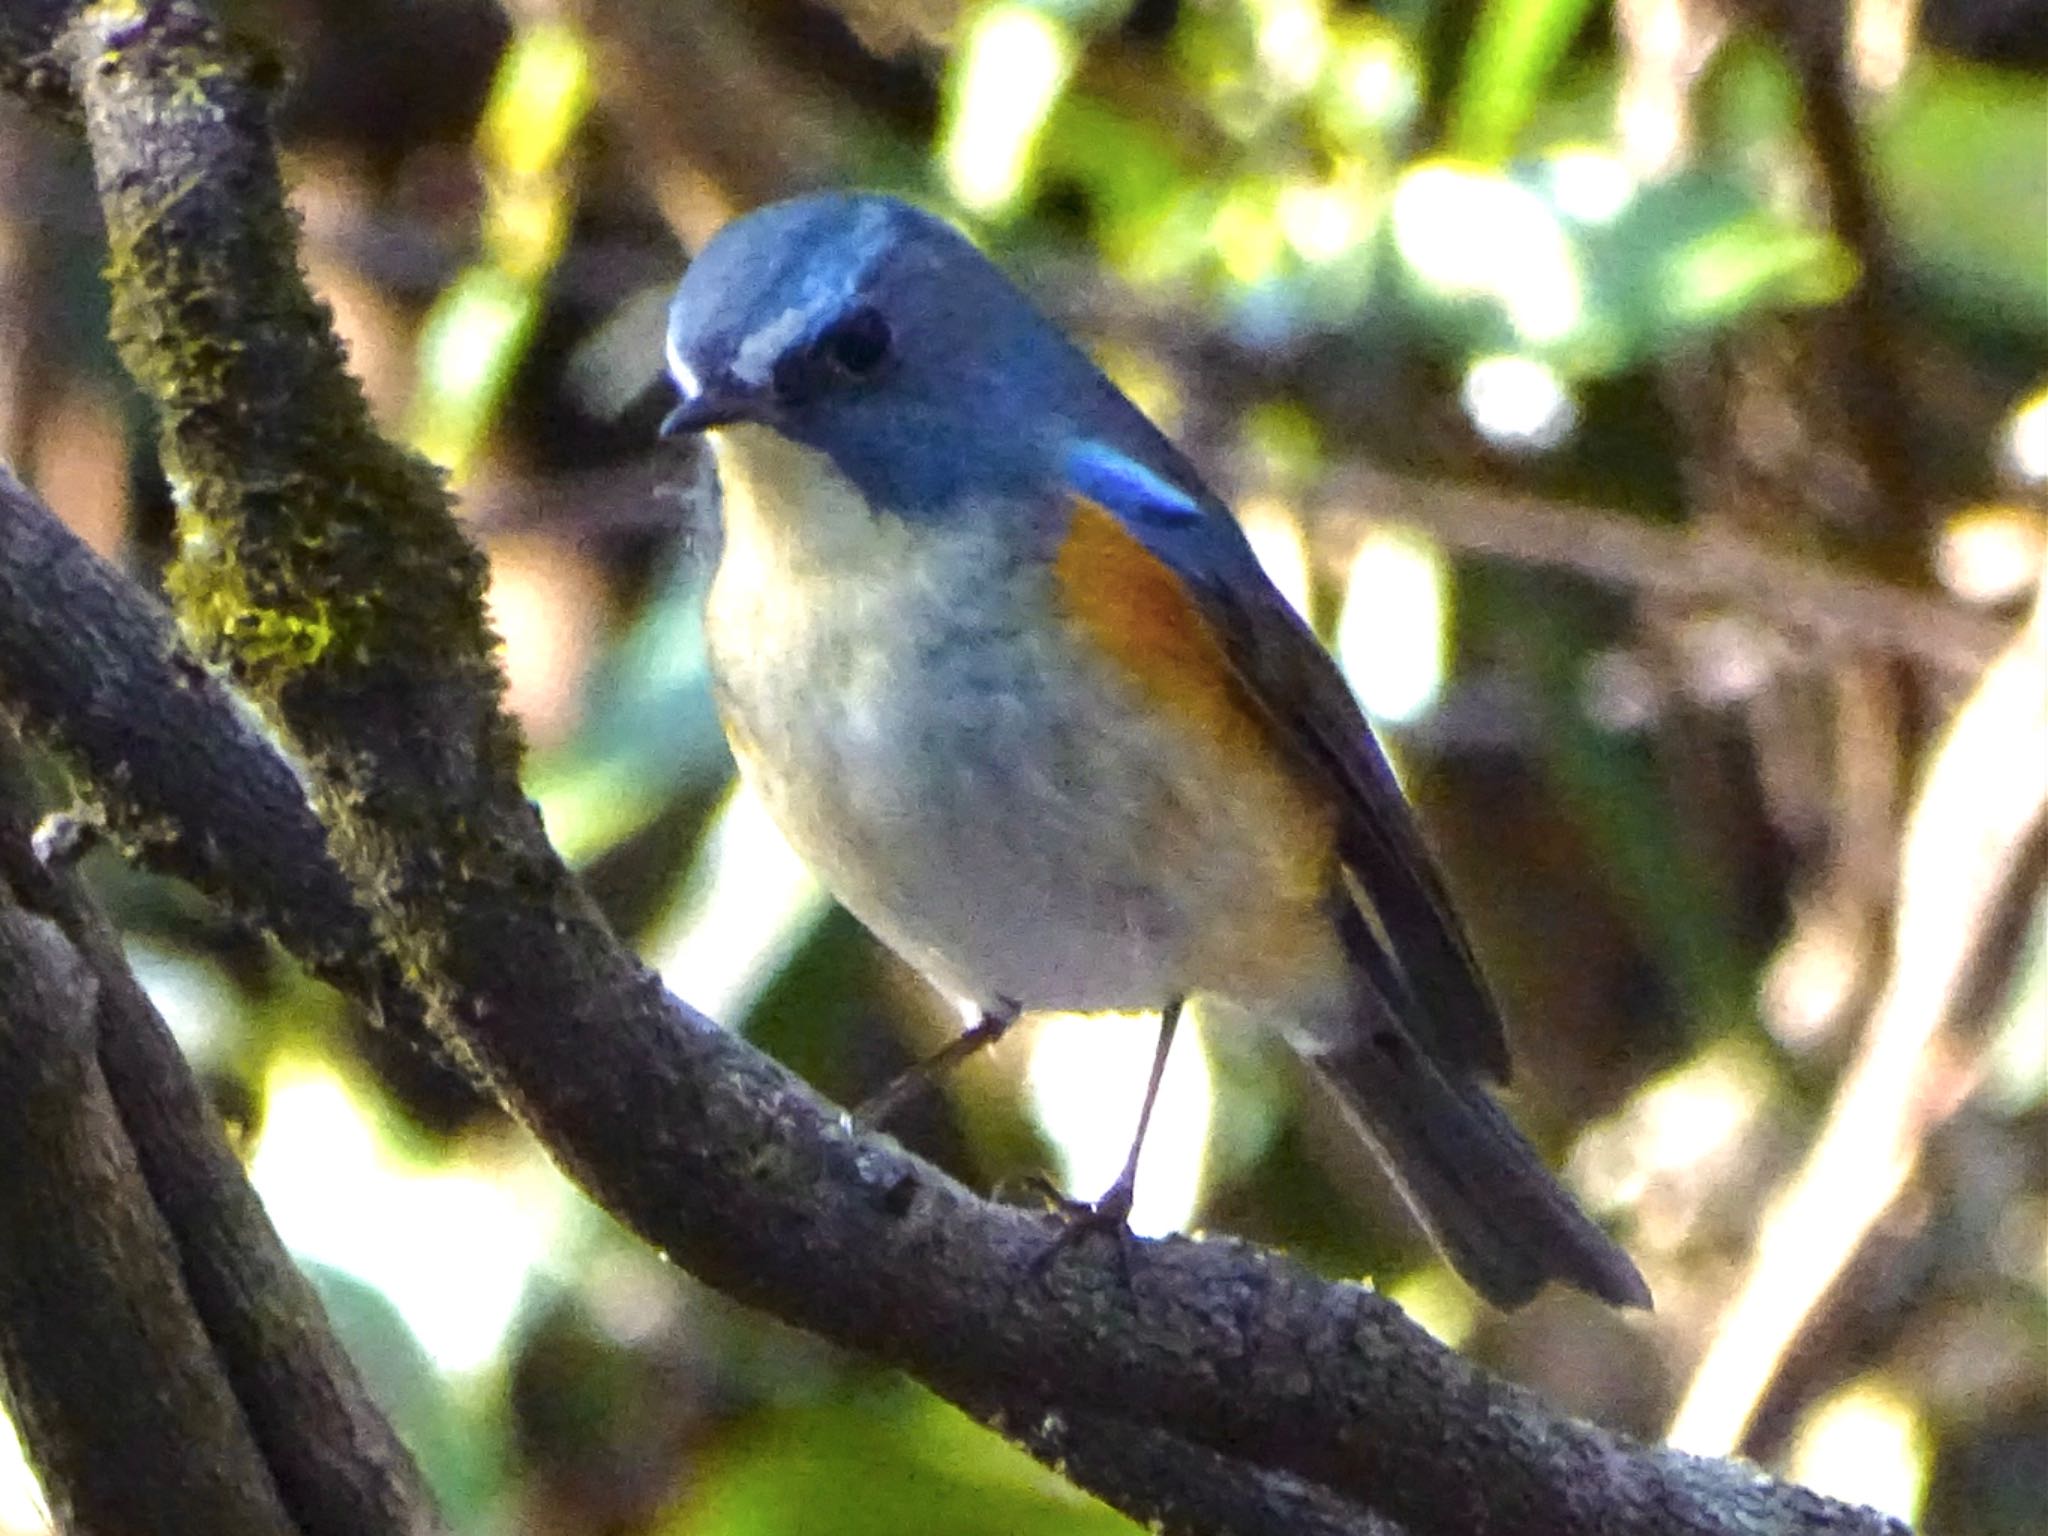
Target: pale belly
x,y
996,805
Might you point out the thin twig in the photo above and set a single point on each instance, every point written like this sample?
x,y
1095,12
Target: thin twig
x,y
1806,595
1972,843
1859,334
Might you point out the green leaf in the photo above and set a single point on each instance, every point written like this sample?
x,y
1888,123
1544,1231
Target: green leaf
x,y
1516,46
1961,155
882,1462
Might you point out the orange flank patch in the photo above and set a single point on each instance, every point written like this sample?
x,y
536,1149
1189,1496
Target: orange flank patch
x,y
1133,606
1242,792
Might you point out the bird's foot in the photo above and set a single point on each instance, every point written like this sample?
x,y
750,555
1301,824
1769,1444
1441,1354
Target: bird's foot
x,y
1110,1216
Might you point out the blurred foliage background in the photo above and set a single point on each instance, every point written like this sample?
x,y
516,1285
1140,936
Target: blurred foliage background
x,y
1646,398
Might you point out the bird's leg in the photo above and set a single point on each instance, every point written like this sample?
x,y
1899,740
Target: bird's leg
x,y
993,1024
1112,1213
1114,1208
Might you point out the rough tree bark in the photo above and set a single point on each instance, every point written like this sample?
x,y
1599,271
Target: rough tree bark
x,y
170,1368
89,1287
1221,1389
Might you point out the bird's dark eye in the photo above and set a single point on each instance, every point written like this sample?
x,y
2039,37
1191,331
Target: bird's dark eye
x,y
856,344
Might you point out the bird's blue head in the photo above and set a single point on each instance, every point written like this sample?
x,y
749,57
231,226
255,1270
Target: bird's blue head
x,y
876,334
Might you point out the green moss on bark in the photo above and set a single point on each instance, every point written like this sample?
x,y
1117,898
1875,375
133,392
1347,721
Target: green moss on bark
x,y
306,538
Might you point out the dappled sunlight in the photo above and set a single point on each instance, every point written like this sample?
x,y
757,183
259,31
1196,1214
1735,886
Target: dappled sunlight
x,y
2026,438
749,903
1376,82
1012,66
22,1510
1677,1145
451,1244
1438,1302
1518,402
1393,632
1589,185
1469,233
1865,1442
477,333
1991,554
1276,538
1293,40
1327,219
1086,1078
186,991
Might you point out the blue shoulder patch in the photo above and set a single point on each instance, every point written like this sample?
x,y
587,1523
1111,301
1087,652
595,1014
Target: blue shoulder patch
x,y
1126,487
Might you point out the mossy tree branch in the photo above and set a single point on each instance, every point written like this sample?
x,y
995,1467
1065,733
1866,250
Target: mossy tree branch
x,y
104,1363
183,779
323,566
75,633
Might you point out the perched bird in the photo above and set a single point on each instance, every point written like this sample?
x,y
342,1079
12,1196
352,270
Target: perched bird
x,y
1008,675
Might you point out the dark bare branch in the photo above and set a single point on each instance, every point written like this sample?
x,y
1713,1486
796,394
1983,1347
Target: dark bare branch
x,y
333,1458
106,1370
1196,1491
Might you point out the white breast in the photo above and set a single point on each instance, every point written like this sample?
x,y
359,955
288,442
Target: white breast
x,y
985,799
808,585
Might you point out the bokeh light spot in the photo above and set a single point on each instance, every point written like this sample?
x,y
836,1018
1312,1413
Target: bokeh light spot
x,y
1518,402
451,1246
1011,68
1086,1079
1393,632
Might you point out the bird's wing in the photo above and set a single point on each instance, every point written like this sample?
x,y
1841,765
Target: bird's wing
x,y
1410,943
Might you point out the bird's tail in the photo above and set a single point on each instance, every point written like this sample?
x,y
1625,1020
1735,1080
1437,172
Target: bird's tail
x,y
1506,1225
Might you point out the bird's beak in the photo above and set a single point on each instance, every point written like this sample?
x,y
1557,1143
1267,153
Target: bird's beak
x,y
713,405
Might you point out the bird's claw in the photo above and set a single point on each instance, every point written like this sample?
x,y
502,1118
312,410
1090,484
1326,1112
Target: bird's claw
x,y
1111,1216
